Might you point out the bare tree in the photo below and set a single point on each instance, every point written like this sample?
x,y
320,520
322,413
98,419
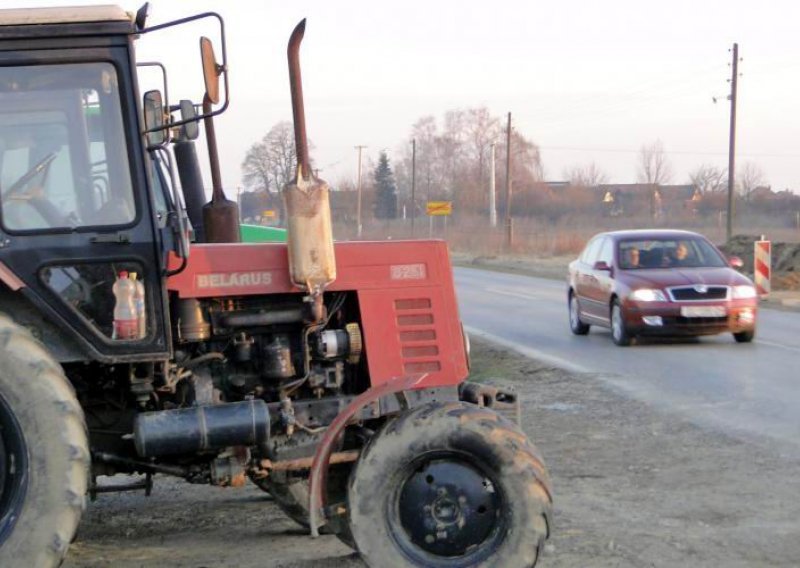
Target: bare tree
x,y
269,163
588,175
654,167
709,179
751,176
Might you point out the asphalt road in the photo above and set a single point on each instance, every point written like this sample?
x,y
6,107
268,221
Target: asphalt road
x,y
747,390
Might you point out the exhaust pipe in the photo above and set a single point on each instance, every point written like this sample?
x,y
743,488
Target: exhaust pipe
x,y
312,263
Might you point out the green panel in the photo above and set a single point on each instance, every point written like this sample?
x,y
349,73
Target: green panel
x,y
259,234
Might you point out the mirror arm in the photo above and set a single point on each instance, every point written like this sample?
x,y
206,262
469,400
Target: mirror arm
x,y
163,79
183,238
223,66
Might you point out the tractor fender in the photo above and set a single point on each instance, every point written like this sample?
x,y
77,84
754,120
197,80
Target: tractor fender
x,y
318,478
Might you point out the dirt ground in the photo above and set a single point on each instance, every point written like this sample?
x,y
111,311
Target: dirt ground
x,y
633,488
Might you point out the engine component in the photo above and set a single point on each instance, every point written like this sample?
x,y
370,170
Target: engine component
x,y
335,343
244,347
329,377
192,323
278,359
272,317
202,428
356,343
228,469
203,387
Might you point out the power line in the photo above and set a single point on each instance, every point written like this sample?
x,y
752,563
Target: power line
x,y
678,152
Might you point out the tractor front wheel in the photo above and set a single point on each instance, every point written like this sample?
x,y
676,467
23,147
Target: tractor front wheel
x,y
450,484
44,453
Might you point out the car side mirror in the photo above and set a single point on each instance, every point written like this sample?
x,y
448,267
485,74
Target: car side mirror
x,y
736,262
602,265
154,118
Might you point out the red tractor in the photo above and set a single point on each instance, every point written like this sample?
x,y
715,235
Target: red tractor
x,y
331,375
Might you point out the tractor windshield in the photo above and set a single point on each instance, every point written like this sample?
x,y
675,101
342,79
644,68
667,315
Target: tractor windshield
x,y
63,158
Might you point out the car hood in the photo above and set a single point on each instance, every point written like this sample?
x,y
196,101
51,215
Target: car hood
x,y
668,277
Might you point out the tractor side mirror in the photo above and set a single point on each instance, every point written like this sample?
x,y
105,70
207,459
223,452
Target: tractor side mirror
x,y
154,118
211,71
188,113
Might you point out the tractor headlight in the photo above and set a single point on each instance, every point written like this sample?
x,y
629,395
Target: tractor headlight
x,y
743,292
648,295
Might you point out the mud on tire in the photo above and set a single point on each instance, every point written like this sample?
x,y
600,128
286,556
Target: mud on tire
x,y
44,453
450,484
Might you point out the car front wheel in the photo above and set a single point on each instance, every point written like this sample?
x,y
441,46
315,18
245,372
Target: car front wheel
x,y
619,331
744,336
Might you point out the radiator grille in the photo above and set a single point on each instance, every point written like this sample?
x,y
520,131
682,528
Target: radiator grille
x,y
698,293
417,333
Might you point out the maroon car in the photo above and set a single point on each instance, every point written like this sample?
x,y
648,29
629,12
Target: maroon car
x,y
659,282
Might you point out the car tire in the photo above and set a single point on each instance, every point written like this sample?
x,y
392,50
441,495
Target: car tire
x,y
619,331
450,485
44,453
575,324
744,336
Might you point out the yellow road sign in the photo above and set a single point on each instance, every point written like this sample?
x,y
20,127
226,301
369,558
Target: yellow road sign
x,y
440,208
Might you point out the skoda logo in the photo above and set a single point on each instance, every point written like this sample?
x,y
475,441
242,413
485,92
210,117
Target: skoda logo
x,y
701,288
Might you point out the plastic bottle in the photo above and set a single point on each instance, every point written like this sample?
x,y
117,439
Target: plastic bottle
x,y
138,302
125,320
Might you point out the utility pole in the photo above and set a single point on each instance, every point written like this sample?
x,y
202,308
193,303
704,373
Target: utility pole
x,y
358,201
413,183
492,201
509,230
732,141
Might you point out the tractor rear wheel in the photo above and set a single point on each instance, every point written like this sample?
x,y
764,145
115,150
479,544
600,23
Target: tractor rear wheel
x,y
44,453
450,485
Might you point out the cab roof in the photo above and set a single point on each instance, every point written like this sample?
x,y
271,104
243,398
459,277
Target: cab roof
x,y
63,15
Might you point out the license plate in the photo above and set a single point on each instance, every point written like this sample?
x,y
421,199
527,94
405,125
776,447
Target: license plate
x,y
703,311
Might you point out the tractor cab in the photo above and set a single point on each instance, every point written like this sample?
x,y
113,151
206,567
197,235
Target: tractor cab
x,y
84,195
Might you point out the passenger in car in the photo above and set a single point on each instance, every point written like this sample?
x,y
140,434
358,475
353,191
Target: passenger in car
x,y
679,257
630,258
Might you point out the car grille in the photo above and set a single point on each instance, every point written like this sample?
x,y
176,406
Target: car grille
x,y
695,322
698,293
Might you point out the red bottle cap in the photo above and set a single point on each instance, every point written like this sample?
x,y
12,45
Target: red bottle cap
x,y
123,273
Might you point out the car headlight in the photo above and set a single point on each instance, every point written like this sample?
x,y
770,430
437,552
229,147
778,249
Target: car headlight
x,y
648,295
744,292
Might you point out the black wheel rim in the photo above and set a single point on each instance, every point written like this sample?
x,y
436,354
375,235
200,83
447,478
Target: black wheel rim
x,y
13,470
448,507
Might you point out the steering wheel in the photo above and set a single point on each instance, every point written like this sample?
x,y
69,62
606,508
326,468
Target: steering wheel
x,y
40,169
46,209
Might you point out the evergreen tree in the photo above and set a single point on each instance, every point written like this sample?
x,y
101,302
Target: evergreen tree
x,y
385,190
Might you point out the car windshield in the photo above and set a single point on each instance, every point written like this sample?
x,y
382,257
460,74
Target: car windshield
x,y
668,253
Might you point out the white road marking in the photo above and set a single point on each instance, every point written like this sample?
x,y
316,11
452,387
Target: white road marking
x,y
778,345
527,351
515,294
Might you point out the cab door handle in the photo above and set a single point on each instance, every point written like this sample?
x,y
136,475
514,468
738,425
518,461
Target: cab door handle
x,y
115,238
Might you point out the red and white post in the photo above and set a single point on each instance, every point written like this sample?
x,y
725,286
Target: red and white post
x,y
762,262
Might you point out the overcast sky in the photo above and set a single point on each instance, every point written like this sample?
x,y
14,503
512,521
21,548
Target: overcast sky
x,y
586,81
